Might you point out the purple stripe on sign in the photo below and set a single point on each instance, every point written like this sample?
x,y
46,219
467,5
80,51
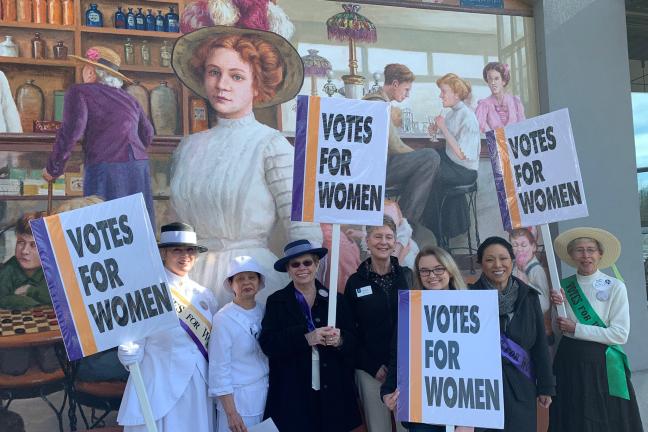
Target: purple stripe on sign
x,y
499,180
56,290
300,159
194,338
402,410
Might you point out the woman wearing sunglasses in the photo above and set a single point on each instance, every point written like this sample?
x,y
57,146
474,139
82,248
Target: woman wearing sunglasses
x,y
372,295
434,269
311,373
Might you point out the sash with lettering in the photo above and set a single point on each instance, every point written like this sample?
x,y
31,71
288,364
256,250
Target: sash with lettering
x,y
197,326
616,361
517,355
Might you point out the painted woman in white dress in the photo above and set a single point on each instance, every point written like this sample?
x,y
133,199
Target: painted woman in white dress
x,y
233,182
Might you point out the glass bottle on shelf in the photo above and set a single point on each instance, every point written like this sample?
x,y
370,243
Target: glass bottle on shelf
x,y
9,12
164,109
67,7
94,18
8,48
129,53
37,47
30,102
198,114
24,10
159,21
150,20
165,54
54,12
120,18
146,53
40,11
60,51
140,23
130,19
171,21
141,94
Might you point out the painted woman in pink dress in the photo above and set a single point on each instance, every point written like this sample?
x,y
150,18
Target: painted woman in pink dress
x,y
500,108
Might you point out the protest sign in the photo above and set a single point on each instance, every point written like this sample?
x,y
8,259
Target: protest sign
x,y
104,274
340,160
449,358
537,176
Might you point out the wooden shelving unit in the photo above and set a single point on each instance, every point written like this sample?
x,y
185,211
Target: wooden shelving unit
x,y
53,74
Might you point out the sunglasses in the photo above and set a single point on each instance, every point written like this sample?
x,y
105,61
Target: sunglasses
x,y
297,264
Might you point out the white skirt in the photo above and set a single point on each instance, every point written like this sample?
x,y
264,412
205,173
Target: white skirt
x,y
193,412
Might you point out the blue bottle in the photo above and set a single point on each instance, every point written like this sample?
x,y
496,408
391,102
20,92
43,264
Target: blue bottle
x,y
159,21
140,20
130,19
120,18
94,18
150,20
172,21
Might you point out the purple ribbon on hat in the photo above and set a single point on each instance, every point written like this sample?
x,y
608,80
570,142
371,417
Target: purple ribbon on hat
x,y
517,356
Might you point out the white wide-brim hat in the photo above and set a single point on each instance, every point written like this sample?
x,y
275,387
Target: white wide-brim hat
x,y
242,264
610,244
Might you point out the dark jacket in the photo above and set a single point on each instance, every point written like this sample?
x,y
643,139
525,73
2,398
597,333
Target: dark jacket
x,y
526,328
375,314
290,397
12,276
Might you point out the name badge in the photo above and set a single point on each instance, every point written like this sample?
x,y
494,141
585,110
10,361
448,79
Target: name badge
x,y
361,292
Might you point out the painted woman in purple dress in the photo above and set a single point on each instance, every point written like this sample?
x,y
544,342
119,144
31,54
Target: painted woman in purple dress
x,y
114,128
500,108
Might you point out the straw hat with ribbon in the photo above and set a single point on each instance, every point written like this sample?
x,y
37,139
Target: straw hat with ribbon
x,y
105,59
185,47
610,244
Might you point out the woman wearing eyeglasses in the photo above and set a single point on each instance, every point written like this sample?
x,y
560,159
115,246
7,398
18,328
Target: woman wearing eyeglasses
x,y
372,295
311,364
434,269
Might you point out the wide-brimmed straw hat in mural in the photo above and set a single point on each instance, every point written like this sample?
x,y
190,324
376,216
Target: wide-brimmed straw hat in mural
x,y
185,46
104,58
610,244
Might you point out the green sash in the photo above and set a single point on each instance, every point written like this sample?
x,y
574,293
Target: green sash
x,y
616,360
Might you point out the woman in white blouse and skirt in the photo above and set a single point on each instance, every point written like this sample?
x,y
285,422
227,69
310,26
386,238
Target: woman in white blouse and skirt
x,y
238,369
459,159
594,391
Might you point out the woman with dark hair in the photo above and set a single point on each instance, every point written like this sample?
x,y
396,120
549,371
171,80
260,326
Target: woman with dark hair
x,y
595,393
435,269
233,182
372,295
311,364
500,108
527,375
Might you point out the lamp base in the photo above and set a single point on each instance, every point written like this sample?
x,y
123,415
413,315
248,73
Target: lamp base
x,y
353,86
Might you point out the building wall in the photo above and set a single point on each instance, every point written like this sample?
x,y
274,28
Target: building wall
x,y
583,65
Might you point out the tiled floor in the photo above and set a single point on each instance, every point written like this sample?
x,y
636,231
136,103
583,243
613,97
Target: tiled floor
x,y
39,417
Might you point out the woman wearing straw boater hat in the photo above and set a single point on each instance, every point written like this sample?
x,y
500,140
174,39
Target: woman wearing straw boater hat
x,y
174,362
311,363
238,369
594,391
114,128
233,182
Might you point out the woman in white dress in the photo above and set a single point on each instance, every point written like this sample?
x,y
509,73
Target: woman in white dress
x,y
238,369
233,182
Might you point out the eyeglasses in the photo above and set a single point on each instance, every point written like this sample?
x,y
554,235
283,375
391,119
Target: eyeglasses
x,y
438,271
583,251
297,264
